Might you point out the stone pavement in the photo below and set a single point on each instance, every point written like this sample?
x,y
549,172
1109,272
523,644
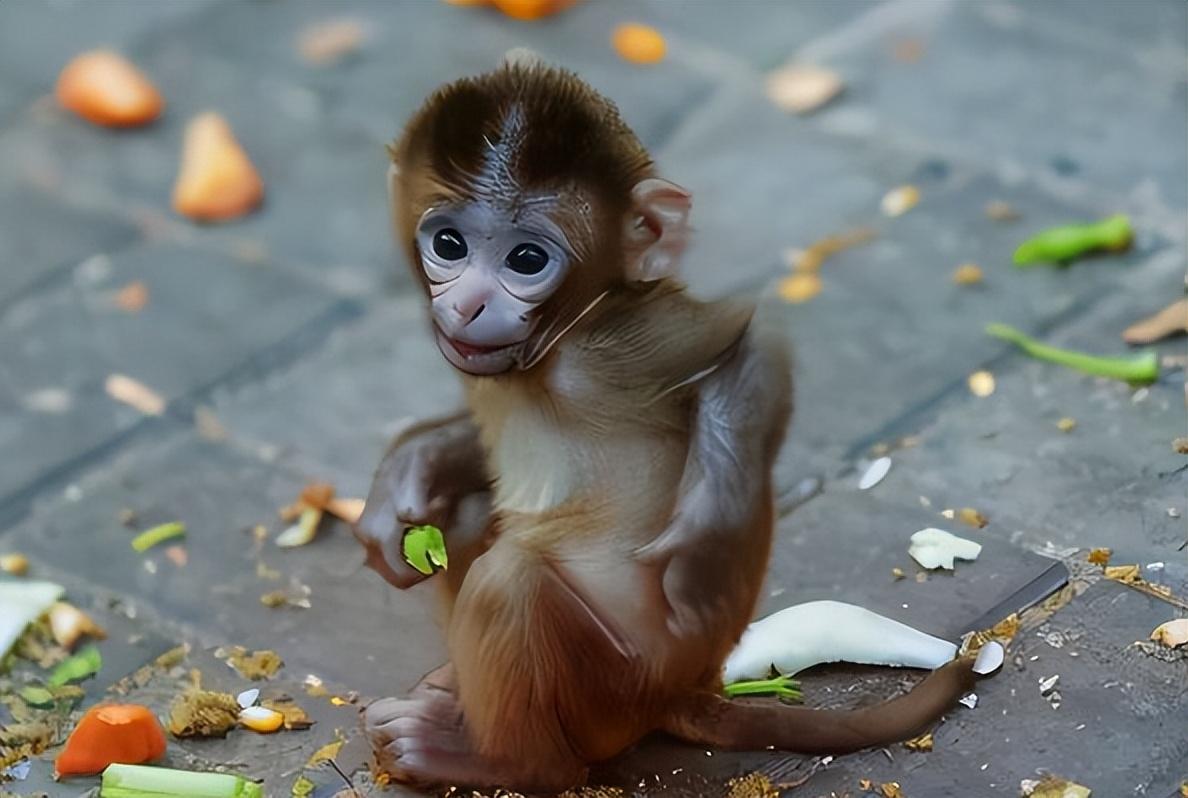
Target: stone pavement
x,y
298,329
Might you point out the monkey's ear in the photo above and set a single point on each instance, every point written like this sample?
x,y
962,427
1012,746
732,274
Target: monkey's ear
x,y
657,230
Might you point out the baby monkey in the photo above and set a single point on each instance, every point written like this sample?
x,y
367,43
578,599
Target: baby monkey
x,y
606,499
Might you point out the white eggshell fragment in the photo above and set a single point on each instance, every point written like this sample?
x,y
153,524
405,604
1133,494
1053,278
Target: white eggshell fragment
x,y
875,473
989,659
831,631
936,548
248,698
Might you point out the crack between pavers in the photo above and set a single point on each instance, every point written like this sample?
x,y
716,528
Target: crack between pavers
x,y
16,505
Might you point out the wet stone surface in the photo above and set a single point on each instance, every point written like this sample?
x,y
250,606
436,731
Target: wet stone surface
x,y
299,330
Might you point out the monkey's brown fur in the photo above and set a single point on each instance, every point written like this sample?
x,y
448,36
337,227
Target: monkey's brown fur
x,y
557,629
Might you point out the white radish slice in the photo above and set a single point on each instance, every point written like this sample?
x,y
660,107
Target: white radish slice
x,y
831,631
21,603
936,548
989,659
875,473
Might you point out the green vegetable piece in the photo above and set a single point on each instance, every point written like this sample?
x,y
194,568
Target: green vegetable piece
x,y
140,781
424,548
782,686
1059,244
37,697
158,534
1140,369
82,665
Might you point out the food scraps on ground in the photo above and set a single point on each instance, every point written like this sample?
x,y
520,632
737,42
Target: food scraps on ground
x,y
970,516
1136,370
936,548
810,260
1180,445
111,733
899,200
216,181
639,44
874,473
1131,576
158,534
315,499
330,41
981,383
1171,320
132,297
1052,787
781,686
301,532
798,288
990,658
1001,211
1002,632
15,564
135,394
803,88
521,9
138,781
294,717
817,632
203,713
103,87
69,624
967,274
424,548
1100,556
261,719
922,744
248,698
254,665
82,665
1066,424
1062,244
1171,633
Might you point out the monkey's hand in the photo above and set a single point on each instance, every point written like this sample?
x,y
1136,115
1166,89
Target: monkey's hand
x,y
689,553
421,480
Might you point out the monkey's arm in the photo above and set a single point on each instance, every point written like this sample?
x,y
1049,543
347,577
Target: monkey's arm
x,y
740,415
427,471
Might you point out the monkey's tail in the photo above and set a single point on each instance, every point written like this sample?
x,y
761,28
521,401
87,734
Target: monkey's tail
x,y
709,719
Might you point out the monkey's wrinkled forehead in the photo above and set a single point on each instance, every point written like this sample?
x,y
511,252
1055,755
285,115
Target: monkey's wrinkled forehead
x,y
522,134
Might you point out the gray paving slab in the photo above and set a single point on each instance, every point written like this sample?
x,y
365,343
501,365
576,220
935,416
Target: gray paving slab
x,y
357,631
38,37
352,394
207,317
1000,68
1113,481
42,236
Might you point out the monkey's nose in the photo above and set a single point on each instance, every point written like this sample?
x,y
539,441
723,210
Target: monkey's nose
x,y
478,312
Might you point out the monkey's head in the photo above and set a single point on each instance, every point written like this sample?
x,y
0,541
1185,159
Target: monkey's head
x,y
523,199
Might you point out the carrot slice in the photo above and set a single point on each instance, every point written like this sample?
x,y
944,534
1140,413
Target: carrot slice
x,y
103,87
109,733
217,180
639,44
531,9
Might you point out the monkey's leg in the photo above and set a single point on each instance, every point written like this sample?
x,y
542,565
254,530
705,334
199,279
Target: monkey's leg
x,y
423,740
709,719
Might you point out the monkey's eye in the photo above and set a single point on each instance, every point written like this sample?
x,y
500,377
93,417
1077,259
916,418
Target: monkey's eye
x,y
527,259
448,244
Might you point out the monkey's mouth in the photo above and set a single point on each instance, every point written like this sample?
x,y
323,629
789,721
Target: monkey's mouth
x,y
474,350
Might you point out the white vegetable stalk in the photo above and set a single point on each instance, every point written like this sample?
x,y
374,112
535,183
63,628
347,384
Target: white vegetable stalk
x,y
21,603
818,632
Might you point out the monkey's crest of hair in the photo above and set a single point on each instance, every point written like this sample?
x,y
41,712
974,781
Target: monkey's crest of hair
x,y
524,125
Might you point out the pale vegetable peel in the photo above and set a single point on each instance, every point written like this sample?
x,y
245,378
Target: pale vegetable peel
x,y
936,548
1139,369
139,781
21,603
818,632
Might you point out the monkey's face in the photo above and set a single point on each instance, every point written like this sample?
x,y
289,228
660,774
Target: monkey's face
x,y
488,271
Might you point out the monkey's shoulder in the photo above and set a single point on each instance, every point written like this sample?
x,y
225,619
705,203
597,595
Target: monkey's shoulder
x,y
660,338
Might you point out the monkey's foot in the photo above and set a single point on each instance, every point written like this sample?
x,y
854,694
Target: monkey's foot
x,y
422,740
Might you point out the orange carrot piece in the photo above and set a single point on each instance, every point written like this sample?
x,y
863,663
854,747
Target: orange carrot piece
x,y
531,9
217,180
103,87
109,733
